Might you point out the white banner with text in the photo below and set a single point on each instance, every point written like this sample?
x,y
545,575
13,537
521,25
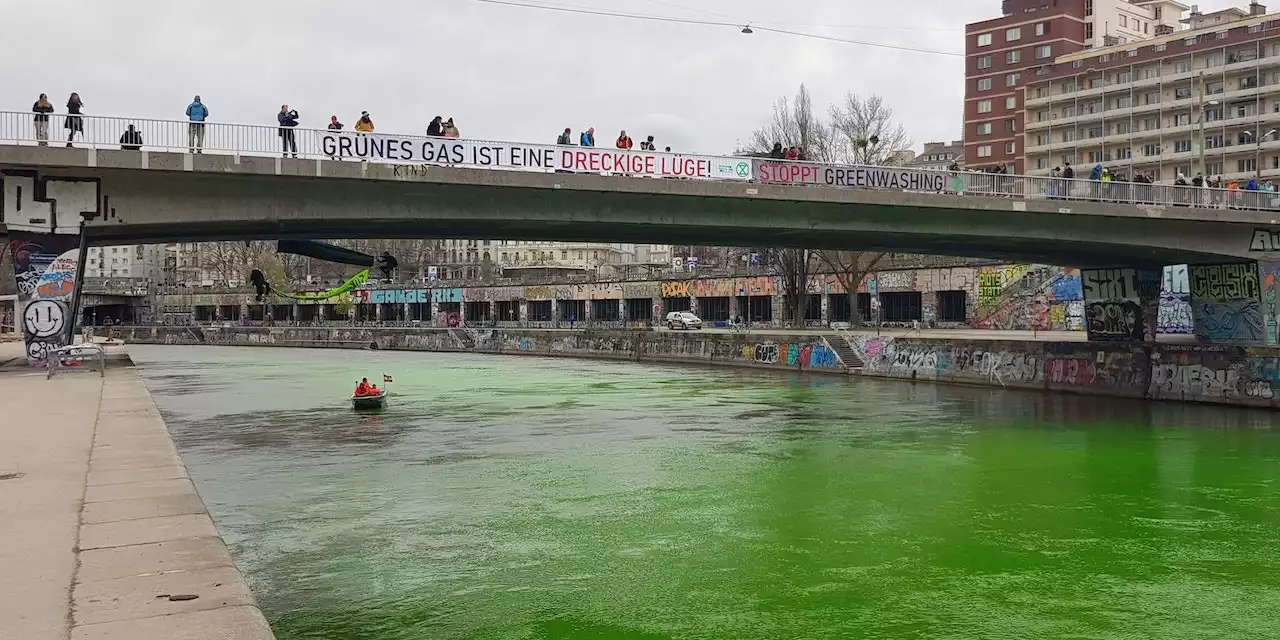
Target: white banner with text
x,y
531,157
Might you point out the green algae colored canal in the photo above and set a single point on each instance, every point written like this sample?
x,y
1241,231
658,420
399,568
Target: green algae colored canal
x,y
509,497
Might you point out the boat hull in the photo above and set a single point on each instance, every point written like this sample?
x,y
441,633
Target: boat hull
x,y
369,402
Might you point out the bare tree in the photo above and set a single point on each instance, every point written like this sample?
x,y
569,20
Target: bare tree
x,y
794,124
792,267
865,131
850,269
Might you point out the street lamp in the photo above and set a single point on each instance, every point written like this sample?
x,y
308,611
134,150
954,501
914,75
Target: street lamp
x,y
1257,149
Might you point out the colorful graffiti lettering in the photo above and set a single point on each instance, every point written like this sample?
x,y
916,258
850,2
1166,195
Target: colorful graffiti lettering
x,y
1229,321
675,289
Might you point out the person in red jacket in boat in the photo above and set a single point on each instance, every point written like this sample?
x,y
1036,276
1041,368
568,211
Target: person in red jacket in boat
x,y
362,389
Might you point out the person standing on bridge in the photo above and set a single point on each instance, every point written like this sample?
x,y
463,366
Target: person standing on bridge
x,y
436,128
588,137
624,140
196,113
450,130
288,119
42,108
74,124
365,123
131,140
564,137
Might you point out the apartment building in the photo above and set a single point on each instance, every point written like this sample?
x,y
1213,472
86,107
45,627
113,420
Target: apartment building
x,y
126,261
938,156
1203,100
1005,54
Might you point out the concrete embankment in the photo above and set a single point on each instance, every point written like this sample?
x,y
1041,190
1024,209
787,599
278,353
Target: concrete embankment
x,y
1223,374
103,535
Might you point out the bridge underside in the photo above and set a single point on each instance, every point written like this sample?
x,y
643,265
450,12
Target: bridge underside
x,y
141,206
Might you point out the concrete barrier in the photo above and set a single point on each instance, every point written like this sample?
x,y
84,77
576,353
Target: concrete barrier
x,y
1234,375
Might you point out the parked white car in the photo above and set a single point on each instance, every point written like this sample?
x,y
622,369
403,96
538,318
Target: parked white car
x,y
683,320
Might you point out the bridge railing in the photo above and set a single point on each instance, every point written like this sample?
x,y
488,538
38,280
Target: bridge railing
x,y
105,132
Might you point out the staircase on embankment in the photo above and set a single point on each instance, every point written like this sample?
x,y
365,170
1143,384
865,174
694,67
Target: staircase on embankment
x,y
843,350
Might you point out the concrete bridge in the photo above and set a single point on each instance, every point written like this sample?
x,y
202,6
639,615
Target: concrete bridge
x,y
136,197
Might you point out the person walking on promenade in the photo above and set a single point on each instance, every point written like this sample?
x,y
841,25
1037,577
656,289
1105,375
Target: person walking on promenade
x,y
196,113
588,137
131,140
42,108
74,124
450,130
365,123
436,128
624,140
288,119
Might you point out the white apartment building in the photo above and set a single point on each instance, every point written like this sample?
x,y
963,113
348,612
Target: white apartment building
x,y
1204,100
145,261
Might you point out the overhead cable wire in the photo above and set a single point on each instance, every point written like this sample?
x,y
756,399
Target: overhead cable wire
x,y
804,24
669,19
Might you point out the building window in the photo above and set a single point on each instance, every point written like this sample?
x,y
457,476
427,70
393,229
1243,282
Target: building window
x,y
1182,94
1076,64
1255,28
1247,165
1088,7
1124,76
984,129
1042,139
1123,153
1095,157
1013,34
1182,66
1150,149
1011,102
1124,20
1010,147
1011,125
984,84
1042,28
1088,31
984,151
984,40
1123,102
984,62
1213,168
1013,57
1162,46
1044,51
1151,98
1093,132
1133,53
1180,146
1069,135
1011,80
1106,57
984,106
1213,142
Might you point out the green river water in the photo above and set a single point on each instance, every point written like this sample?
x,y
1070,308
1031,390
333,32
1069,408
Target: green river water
x,y
510,497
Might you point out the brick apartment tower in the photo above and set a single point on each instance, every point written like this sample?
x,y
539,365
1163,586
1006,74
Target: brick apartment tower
x,y
1005,54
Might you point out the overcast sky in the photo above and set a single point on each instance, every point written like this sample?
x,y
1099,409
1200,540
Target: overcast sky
x,y
502,73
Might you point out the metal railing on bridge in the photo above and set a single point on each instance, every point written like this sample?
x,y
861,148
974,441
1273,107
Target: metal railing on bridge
x,y
103,132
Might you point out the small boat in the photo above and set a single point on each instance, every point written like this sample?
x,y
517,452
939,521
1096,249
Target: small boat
x,y
370,401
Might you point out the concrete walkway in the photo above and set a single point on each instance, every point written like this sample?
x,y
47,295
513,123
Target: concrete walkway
x,y
103,535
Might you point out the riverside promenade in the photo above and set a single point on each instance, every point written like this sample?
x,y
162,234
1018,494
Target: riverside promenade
x,y
103,536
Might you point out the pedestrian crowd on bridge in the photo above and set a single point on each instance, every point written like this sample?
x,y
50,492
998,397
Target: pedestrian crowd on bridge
x,y
198,113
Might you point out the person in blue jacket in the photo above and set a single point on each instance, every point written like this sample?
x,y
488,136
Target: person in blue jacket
x,y
588,137
196,114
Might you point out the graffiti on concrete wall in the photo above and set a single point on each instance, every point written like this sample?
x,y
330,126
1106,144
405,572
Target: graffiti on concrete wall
x,y
1269,277
1175,313
896,280
1114,304
1226,302
675,289
44,267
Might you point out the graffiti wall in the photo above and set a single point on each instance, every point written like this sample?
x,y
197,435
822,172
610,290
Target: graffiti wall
x,y
1121,305
1014,298
1226,302
1175,302
1096,369
1269,277
995,363
44,266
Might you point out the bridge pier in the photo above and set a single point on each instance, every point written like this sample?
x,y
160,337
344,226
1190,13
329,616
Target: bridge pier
x,y
1121,304
1227,302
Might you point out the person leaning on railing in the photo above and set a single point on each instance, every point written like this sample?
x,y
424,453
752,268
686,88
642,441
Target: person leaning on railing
x,y
288,119
42,108
74,124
